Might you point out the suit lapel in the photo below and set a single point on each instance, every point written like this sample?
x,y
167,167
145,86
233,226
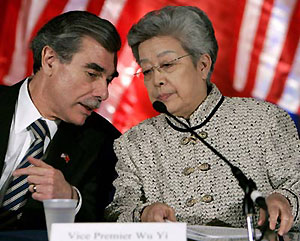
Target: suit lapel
x,y
72,151
63,152
7,109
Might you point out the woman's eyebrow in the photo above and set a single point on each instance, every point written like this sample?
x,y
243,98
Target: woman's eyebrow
x,y
159,55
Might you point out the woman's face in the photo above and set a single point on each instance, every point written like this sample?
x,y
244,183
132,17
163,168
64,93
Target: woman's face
x,y
178,83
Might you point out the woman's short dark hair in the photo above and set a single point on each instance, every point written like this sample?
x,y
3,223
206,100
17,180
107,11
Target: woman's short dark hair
x,y
187,24
64,35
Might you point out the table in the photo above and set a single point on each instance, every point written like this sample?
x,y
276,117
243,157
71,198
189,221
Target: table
x,y
24,235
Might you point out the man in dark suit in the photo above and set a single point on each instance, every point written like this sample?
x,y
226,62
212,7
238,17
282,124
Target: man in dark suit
x,y
75,57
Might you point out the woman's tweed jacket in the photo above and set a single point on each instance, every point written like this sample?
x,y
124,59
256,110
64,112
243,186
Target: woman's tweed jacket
x,y
160,164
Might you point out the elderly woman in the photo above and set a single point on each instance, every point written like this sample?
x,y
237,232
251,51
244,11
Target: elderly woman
x,y
165,172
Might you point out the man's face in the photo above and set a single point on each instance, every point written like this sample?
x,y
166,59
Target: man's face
x,y
75,89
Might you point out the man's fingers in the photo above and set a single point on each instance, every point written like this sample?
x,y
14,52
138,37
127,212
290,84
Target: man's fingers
x,y
50,182
39,171
32,188
37,162
37,179
39,168
40,196
42,192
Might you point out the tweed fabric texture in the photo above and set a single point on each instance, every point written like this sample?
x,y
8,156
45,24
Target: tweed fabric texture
x,y
157,165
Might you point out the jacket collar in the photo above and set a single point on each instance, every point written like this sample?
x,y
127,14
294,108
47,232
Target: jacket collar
x,y
203,113
7,106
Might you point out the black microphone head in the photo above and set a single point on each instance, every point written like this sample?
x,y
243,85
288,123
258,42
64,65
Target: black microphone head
x,y
160,107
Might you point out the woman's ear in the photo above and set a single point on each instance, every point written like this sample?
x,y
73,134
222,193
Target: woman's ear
x,y
49,56
203,65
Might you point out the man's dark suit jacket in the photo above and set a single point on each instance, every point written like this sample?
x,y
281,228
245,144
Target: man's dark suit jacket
x,y
91,167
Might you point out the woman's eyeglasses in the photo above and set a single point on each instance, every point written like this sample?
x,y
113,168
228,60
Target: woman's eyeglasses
x,y
166,67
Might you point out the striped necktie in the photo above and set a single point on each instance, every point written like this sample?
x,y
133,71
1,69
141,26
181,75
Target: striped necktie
x,y
17,191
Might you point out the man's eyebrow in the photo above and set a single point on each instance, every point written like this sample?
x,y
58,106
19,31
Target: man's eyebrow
x,y
95,67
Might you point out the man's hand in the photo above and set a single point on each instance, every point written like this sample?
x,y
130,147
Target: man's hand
x,y
278,207
158,212
49,182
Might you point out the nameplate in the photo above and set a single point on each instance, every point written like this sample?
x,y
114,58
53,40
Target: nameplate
x,y
118,231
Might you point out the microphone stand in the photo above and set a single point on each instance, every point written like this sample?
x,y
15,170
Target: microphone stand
x,y
248,185
248,209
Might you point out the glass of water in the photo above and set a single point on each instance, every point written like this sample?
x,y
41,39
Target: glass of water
x,y
59,211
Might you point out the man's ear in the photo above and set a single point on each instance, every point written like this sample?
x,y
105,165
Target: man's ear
x,y
204,64
49,57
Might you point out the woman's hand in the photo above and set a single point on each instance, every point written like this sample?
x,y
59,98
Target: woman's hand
x,y
278,207
158,212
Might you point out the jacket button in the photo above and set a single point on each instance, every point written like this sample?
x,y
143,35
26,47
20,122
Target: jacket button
x,y
204,167
191,202
203,134
207,198
188,170
193,140
184,141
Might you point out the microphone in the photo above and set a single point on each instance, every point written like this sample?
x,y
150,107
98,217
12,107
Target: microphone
x,y
248,185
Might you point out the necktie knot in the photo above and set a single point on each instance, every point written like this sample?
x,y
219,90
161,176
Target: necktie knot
x,y
39,129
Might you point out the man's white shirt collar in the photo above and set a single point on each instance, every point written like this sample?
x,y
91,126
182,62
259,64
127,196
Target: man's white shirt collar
x,y
26,112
